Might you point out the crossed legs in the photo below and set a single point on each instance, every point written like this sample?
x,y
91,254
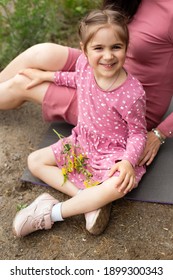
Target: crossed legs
x,y
42,165
94,202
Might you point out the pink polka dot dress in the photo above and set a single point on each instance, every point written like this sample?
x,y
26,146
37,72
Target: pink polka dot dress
x,y
111,126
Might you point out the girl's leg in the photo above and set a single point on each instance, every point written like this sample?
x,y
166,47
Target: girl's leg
x,y
42,165
92,198
38,215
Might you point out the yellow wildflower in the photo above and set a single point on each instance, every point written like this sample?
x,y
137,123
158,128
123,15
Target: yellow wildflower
x,y
81,157
64,171
65,174
89,183
74,162
86,184
70,167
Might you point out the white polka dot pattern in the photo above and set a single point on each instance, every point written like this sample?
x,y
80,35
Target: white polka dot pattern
x,y
111,124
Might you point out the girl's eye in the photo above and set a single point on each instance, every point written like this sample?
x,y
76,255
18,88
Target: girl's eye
x,y
98,48
116,47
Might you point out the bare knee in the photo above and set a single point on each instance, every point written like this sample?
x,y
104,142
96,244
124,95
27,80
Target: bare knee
x,y
111,185
18,84
34,162
16,93
48,56
13,93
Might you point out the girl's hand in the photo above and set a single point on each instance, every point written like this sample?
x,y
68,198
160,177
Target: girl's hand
x,y
36,76
126,178
151,149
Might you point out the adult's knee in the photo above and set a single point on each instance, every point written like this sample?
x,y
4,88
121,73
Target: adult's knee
x,y
48,56
18,83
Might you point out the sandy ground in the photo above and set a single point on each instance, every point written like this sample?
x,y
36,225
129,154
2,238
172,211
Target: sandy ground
x,y
137,230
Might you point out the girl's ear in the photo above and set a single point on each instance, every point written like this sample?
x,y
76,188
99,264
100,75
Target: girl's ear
x,y
82,48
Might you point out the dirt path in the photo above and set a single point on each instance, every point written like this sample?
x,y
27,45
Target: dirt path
x,y
136,230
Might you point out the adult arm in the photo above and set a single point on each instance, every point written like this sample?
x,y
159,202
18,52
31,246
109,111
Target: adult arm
x,y
165,128
154,142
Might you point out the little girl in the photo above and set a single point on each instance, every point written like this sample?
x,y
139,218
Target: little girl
x,y
98,163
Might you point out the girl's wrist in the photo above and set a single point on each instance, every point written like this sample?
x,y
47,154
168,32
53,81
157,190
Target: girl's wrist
x,y
47,76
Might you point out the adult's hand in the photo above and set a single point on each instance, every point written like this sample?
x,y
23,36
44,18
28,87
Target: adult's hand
x,y
151,149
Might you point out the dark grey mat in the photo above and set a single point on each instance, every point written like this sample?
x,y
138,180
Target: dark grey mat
x,y
155,186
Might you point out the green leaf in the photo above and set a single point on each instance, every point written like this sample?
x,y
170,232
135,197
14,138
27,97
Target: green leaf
x,y
21,206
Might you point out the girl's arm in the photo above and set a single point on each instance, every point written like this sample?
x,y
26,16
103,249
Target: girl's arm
x,y
37,76
135,118
137,135
67,79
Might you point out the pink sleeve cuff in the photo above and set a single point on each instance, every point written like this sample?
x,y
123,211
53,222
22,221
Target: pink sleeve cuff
x,y
166,127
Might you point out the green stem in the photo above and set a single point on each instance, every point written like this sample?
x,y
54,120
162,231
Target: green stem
x,y
60,136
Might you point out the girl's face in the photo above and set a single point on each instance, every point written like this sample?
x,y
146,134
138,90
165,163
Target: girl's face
x,y
106,53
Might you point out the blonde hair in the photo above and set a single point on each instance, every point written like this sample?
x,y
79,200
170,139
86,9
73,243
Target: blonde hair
x,y
102,19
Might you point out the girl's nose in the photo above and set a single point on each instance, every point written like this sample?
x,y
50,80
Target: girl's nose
x,y
108,55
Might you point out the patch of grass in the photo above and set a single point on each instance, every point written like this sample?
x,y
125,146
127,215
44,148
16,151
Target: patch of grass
x,y
28,22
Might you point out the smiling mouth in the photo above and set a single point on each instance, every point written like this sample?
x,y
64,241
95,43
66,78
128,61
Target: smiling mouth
x,y
107,66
